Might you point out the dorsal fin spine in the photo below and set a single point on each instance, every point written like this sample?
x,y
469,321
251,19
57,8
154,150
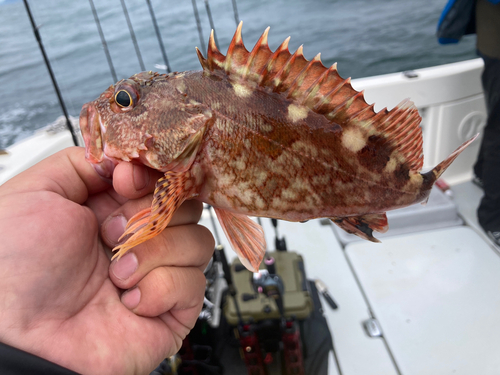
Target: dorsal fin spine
x,y
267,69
327,98
362,111
400,109
295,87
378,116
405,140
214,57
310,94
344,105
412,150
281,75
398,127
236,43
415,149
203,61
261,43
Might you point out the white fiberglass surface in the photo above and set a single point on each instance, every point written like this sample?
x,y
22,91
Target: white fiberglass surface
x,y
436,296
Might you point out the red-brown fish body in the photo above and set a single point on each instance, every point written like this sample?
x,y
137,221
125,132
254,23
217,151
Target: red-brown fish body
x,y
260,133
259,160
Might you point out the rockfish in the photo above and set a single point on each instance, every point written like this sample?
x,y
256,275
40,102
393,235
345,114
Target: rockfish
x,y
260,133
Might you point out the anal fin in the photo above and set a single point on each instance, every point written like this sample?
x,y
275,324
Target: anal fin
x,y
246,237
364,225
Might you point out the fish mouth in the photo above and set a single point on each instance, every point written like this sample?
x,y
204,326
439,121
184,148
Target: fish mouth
x,y
90,125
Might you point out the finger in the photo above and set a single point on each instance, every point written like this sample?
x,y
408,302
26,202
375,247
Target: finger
x,y
165,289
188,213
65,173
104,204
134,181
181,246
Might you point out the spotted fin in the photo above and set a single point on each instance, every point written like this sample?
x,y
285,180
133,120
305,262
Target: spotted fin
x,y
246,237
320,89
169,194
363,226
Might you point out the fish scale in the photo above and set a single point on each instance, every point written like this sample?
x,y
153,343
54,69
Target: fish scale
x,y
260,133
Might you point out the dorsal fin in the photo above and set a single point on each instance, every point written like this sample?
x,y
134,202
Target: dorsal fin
x,y
321,89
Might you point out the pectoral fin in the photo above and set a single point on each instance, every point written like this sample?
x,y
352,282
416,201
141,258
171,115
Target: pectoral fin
x,y
169,194
185,158
246,237
363,226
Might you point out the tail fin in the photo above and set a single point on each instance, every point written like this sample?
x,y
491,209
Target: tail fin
x,y
431,176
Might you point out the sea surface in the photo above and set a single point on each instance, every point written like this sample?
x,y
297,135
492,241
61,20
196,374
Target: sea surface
x,y
365,37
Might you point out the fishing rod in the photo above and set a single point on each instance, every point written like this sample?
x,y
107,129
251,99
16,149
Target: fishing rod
x,y
49,68
132,35
211,21
158,36
198,25
103,41
235,11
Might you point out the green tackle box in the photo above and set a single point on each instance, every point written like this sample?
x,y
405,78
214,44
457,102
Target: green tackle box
x,y
254,306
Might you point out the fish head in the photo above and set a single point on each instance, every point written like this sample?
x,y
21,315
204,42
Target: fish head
x,y
146,119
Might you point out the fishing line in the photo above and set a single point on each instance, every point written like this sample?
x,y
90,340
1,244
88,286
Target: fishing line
x,y
103,41
158,36
198,25
132,35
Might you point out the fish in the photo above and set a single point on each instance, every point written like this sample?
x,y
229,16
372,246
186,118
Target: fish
x,y
260,133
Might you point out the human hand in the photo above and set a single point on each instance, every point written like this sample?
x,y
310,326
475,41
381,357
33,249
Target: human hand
x,y
62,299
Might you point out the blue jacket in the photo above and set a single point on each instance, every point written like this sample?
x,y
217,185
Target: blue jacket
x,y
458,19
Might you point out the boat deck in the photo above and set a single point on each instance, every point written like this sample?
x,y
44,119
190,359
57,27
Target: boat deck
x,y
433,296
467,197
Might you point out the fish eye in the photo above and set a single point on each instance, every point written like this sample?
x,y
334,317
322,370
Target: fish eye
x,y
124,99
126,96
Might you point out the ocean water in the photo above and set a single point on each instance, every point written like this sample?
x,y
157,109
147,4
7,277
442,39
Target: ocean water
x,y
365,37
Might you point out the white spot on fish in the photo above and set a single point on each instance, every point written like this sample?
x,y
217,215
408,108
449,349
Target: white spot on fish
x,y
240,164
297,162
289,194
353,140
260,178
241,90
278,204
296,113
226,180
259,202
245,194
391,165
